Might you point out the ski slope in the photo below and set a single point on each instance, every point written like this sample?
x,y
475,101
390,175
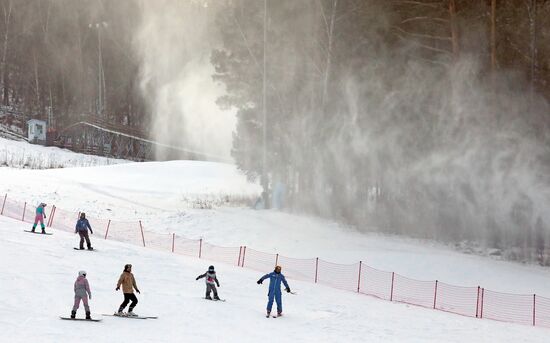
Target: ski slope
x,y
38,272
162,195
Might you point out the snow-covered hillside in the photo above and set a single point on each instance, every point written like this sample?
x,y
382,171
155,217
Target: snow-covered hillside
x,y
162,194
38,272
18,154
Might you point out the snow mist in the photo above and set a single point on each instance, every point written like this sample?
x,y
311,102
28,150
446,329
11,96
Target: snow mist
x,y
174,43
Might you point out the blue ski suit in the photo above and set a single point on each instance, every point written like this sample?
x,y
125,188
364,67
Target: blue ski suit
x,y
274,293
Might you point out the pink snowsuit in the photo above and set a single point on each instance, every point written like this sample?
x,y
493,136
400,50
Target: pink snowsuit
x,y
39,217
81,292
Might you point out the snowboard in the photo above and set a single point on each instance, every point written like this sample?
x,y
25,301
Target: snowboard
x,y
131,317
87,320
38,233
84,249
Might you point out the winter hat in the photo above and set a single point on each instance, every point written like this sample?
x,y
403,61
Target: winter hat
x,y
82,273
126,267
211,268
82,215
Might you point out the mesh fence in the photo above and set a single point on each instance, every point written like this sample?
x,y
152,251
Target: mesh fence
x,y
357,277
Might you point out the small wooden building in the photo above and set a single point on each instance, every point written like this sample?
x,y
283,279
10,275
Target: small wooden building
x,y
36,131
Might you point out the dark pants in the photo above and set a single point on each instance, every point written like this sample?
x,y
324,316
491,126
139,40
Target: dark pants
x,y
210,288
127,298
84,236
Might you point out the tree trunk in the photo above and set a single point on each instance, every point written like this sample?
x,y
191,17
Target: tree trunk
x,y
532,12
454,28
4,67
330,38
493,36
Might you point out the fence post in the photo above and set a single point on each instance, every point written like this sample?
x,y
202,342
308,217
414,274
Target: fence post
x,y
534,296
142,236
173,240
481,308
107,231
48,224
435,293
200,247
244,253
52,215
316,268
391,291
5,197
477,302
24,208
276,259
359,278
240,252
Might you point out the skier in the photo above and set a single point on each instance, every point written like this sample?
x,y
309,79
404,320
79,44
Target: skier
x,y
82,226
210,279
128,283
81,292
275,279
40,215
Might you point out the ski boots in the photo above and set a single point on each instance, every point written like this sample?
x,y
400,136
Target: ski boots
x,y
73,314
216,297
208,297
88,316
131,314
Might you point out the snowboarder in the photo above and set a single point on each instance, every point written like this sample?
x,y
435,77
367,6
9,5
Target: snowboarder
x,y
39,217
82,226
128,283
210,279
81,292
275,279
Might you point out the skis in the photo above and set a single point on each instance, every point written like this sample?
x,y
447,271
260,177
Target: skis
x,y
38,233
222,300
274,316
127,316
83,319
84,249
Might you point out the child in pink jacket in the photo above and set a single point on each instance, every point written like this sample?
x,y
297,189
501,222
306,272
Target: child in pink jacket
x,y
81,292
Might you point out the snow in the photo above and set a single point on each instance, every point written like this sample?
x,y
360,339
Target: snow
x,y
38,271
24,155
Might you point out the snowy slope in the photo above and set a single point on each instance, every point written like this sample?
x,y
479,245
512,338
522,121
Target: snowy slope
x,y
38,272
161,194
24,155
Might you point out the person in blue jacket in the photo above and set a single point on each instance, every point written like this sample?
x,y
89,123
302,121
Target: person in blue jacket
x,y
275,279
82,226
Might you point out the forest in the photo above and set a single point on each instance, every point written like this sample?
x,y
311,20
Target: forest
x,y
428,118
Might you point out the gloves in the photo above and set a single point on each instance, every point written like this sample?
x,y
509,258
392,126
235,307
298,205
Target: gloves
x,y
90,296
117,288
137,290
218,285
197,278
288,289
91,232
259,282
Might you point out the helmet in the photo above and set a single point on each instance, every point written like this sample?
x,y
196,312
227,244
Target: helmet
x,y
82,215
82,273
211,268
277,269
